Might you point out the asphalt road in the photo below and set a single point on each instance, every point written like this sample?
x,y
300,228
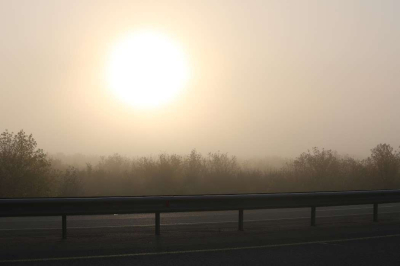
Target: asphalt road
x,y
343,236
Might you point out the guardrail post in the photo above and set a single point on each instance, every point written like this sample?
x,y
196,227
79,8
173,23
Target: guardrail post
x,y
313,211
157,223
241,220
375,212
64,226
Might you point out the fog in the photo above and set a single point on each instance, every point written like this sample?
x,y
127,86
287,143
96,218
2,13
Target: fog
x,y
268,78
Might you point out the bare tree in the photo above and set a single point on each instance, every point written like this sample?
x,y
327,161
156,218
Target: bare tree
x,y
384,164
25,171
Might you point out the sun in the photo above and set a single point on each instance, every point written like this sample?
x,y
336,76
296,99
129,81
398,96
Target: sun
x,y
147,69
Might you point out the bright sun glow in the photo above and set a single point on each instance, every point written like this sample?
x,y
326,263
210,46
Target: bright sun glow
x,y
147,69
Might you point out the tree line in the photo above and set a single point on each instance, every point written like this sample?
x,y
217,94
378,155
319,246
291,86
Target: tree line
x,y
27,171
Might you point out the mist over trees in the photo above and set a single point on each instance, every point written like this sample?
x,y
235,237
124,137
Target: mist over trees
x,y
27,171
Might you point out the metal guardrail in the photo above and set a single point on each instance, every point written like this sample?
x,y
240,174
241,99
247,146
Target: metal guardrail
x,y
162,204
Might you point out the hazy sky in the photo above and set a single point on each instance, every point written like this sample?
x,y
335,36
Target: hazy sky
x,y
268,77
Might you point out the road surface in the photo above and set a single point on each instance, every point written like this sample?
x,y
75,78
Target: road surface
x,y
343,236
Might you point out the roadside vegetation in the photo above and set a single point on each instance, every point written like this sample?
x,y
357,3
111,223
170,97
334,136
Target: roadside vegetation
x,y
26,171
